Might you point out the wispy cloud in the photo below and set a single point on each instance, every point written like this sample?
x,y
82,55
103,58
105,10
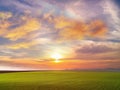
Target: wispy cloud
x,y
98,51
21,31
5,15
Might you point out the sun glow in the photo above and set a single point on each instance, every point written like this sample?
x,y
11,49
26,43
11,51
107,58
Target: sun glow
x,y
57,57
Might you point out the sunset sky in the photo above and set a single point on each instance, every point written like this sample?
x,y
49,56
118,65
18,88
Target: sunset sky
x,y
82,34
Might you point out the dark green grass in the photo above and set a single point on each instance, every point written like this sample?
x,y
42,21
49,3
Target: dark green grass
x,y
60,80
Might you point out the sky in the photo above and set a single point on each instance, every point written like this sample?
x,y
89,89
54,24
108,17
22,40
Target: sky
x,y
85,33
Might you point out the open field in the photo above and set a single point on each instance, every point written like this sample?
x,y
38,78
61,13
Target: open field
x,y
60,80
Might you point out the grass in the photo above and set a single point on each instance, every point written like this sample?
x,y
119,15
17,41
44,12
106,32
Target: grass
x,y
60,80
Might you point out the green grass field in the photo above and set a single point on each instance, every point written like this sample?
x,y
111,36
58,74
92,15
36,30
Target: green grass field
x,y
60,80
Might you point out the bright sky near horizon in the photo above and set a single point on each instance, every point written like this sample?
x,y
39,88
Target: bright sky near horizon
x,y
82,34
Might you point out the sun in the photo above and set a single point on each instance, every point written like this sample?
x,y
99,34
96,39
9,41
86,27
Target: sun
x,y
57,57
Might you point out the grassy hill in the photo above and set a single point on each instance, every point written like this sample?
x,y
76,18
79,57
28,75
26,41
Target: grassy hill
x,y
60,80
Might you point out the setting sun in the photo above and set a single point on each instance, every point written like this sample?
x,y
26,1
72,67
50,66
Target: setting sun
x,y
57,57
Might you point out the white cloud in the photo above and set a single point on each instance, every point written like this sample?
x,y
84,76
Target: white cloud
x,y
112,13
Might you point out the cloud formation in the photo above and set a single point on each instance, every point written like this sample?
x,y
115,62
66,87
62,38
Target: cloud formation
x,y
14,30
5,15
80,30
22,45
75,29
98,51
29,26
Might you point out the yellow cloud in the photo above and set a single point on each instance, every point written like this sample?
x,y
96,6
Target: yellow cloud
x,y
21,31
62,22
5,15
22,45
26,24
29,44
5,58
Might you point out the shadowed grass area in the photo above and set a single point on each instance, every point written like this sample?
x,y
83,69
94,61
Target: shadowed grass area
x,y
60,80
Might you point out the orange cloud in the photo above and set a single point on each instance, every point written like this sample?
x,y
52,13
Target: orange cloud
x,y
98,28
4,25
73,29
